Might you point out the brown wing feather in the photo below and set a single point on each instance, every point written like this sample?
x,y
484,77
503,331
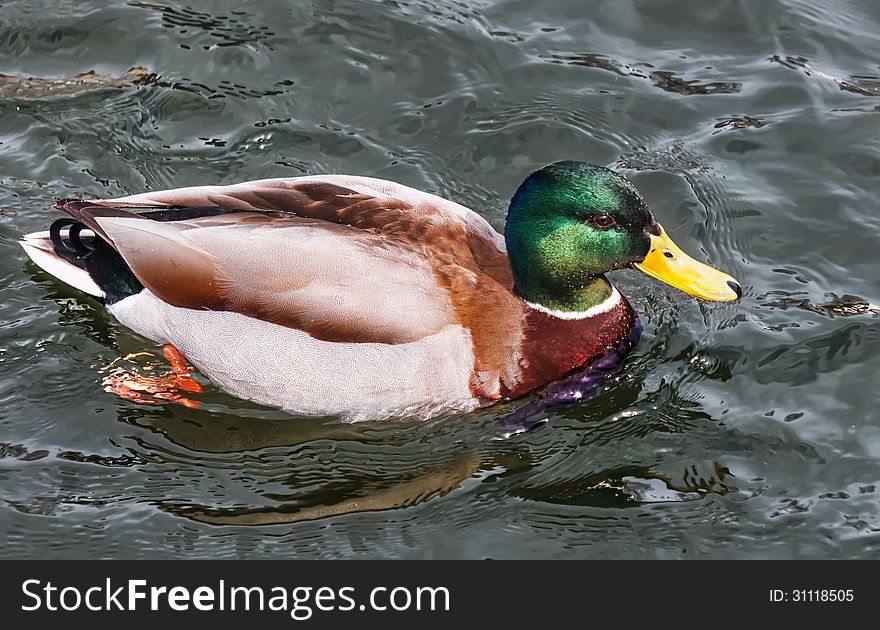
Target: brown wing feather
x,y
165,261
417,222
332,281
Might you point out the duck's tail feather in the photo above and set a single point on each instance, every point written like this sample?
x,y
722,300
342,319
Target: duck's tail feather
x,y
87,213
79,252
38,247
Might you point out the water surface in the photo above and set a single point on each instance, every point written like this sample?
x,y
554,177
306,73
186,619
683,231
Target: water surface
x,y
745,430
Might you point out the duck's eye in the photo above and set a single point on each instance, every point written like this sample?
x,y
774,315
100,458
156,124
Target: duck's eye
x,y
602,221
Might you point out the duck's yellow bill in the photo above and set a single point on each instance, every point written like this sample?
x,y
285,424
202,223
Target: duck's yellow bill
x,y
665,261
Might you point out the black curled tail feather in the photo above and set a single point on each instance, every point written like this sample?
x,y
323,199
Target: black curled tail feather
x,y
96,256
80,241
87,213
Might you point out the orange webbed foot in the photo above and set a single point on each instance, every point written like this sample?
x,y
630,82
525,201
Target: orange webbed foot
x,y
155,390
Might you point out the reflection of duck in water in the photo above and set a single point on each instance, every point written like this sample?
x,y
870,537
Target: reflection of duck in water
x,y
358,297
349,488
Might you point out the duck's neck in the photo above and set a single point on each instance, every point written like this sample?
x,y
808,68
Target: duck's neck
x,y
566,301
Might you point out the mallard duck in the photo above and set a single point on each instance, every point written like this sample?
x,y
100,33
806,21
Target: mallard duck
x,y
362,298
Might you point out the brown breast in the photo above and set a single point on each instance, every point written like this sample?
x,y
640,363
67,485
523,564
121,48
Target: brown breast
x,y
551,347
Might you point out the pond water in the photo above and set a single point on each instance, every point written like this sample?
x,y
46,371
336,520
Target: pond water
x,y
743,430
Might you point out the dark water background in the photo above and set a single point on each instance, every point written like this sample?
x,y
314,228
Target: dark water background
x,y
745,430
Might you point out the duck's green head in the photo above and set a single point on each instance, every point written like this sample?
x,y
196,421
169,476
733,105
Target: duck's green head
x,y
571,222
